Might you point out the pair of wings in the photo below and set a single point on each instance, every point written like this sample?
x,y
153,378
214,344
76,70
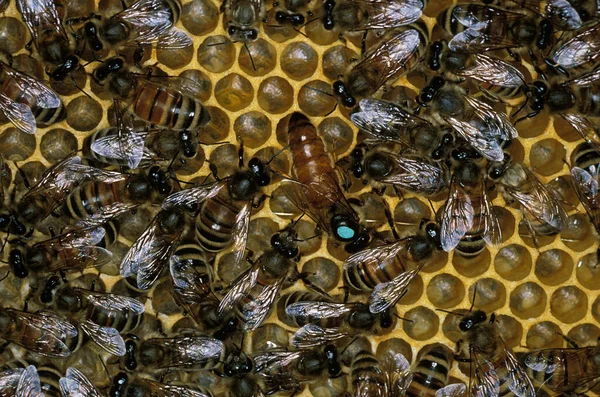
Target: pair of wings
x,y
585,183
579,50
388,14
462,210
417,174
493,71
21,383
188,351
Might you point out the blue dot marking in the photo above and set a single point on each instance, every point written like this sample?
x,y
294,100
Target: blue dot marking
x,y
345,232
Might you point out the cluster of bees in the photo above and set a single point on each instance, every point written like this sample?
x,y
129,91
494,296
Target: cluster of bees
x,y
78,336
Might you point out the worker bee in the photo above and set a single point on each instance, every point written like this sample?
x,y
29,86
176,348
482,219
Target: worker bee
x,y
21,382
254,292
584,174
478,28
76,384
370,377
475,121
318,191
543,212
577,51
385,121
496,79
167,102
27,102
453,390
397,53
468,220
43,333
497,372
431,372
347,16
563,370
122,385
387,270
241,18
51,190
410,172
152,250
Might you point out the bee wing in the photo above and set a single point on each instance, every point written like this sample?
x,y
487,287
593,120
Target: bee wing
x,y
399,374
553,364
240,289
585,79
194,195
487,381
41,16
381,254
540,203
239,234
385,295
105,214
191,350
454,390
586,187
9,380
417,175
469,19
107,338
29,383
560,12
584,127
19,114
311,335
488,146
172,39
76,384
581,49
519,382
162,389
385,120
390,57
259,308
493,71
32,91
457,217
148,15
317,309
295,192
187,282
113,302
492,232
128,147
389,14
496,123
275,361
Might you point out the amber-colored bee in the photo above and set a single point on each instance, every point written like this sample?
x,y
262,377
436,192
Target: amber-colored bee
x,y
431,372
584,174
370,377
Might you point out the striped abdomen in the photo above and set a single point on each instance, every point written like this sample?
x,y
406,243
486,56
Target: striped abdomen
x,y
216,221
431,372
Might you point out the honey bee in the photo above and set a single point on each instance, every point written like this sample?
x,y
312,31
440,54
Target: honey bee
x,y
21,382
76,384
397,53
27,102
167,103
254,292
453,390
410,172
318,192
51,191
43,333
347,16
386,121
387,270
468,220
123,386
543,212
480,28
579,50
496,79
474,120
152,250
584,175
369,377
241,18
497,372
431,372
564,370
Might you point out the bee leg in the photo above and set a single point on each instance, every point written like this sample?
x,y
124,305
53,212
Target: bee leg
x,y
570,341
514,55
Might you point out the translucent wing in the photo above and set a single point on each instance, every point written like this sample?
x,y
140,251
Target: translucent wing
x,y
29,383
470,19
295,192
553,363
418,175
311,335
255,311
385,120
382,254
191,285
496,123
32,91
560,12
107,338
389,14
239,289
586,79
171,390
399,374
112,302
192,196
9,380
457,217
586,187
390,57
492,233
275,361
486,382
488,146
127,147
104,214
148,16
189,351
76,384
239,234
519,382
581,49
584,127
41,16
318,310
19,114
454,390
493,71
385,295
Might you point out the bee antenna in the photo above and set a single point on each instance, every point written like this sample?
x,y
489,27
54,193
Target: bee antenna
x,y
348,345
403,319
450,312
302,33
311,21
250,55
105,369
278,153
220,43
474,295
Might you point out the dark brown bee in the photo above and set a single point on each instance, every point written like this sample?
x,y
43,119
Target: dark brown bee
x,y
168,103
319,193
497,372
431,372
584,174
75,384
579,50
567,370
43,333
21,382
397,53
27,102
138,386
241,18
370,377
468,220
386,271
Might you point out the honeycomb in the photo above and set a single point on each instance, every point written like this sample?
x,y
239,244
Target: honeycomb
x,y
537,292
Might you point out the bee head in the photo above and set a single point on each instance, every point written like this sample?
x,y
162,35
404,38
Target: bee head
x,y
260,171
470,321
